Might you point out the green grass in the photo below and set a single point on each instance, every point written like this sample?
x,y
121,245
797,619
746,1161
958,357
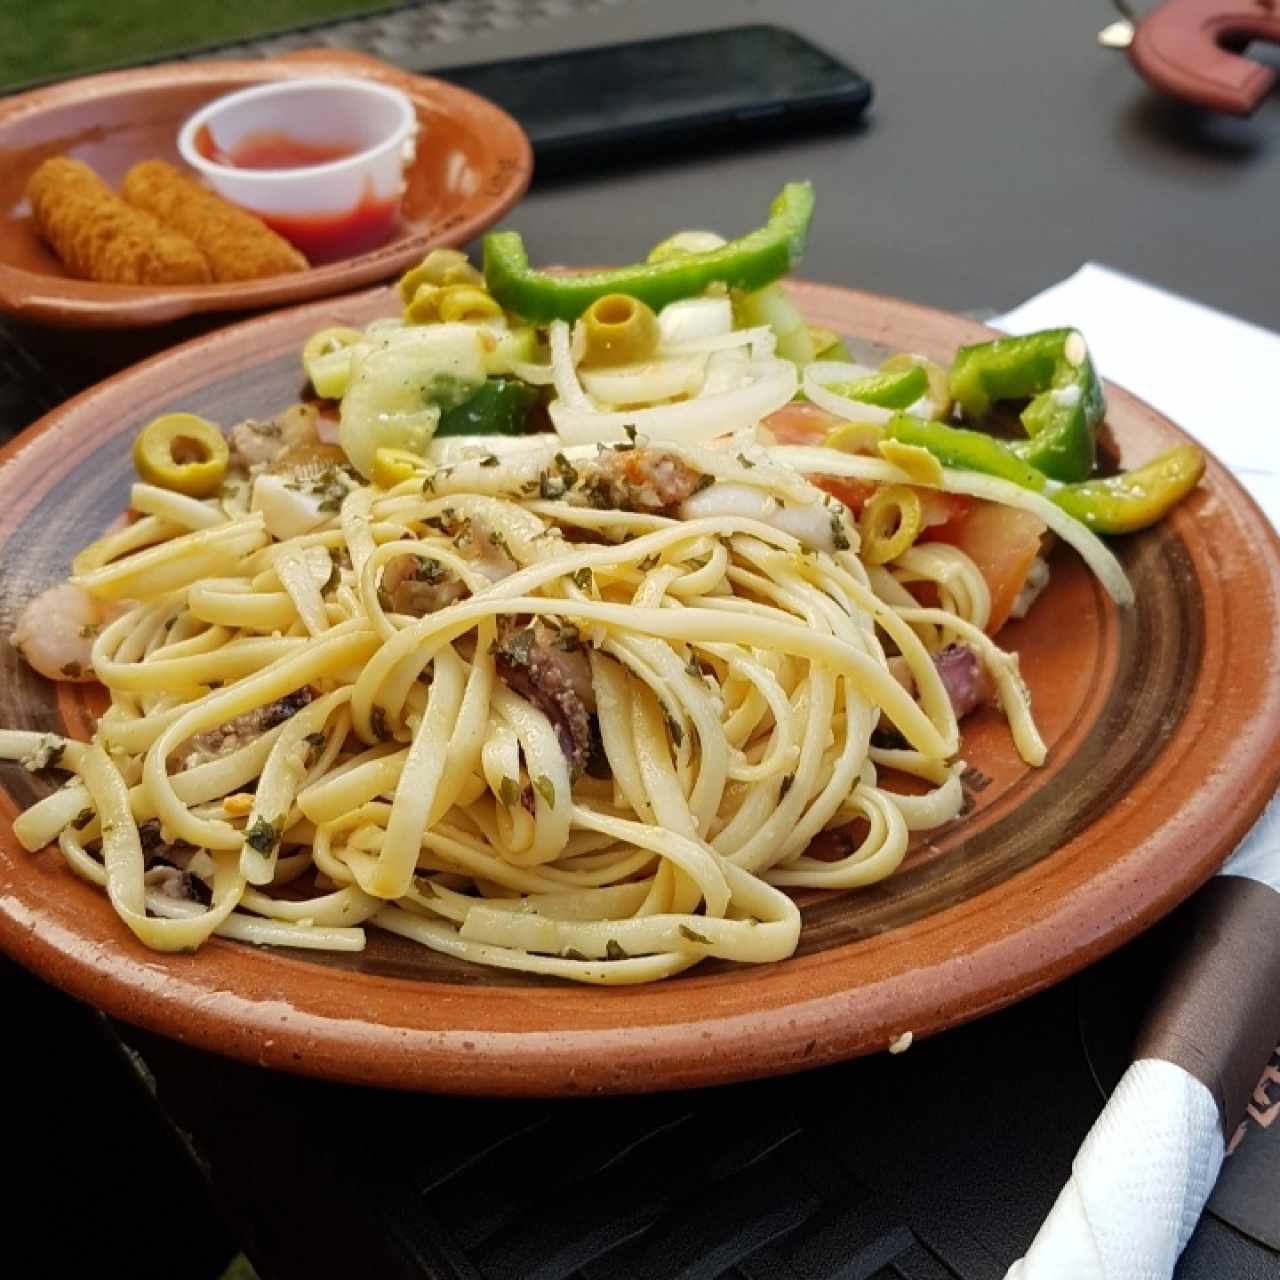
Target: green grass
x,y
45,39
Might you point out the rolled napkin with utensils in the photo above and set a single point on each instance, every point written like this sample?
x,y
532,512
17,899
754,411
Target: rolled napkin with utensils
x,y
1148,1165
1144,1173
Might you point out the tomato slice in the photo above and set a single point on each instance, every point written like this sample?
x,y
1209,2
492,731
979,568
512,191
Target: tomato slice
x,y
853,493
1003,542
801,423
939,509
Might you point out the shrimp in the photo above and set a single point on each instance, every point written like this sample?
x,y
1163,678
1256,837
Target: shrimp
x,y
55,632
260,444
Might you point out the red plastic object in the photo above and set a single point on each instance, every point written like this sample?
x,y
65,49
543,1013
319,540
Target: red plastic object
x,y
1179,49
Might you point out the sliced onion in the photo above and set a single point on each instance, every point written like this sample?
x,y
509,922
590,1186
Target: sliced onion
x,y
1093,551
762,338
563,374
831,462
694,318
688,421
536,375
727,371
447,450
828,371
822,372
646,383
686,242
810,524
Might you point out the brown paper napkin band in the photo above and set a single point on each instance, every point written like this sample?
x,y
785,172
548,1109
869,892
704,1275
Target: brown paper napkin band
x,y
1218,1013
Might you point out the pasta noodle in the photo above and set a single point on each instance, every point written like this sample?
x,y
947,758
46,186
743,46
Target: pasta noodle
x,y
601,753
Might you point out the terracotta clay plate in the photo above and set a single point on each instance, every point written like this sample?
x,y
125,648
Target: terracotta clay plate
x,y
473,163
1163,723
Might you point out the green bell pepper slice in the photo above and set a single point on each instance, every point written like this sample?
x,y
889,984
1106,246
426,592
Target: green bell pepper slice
x,y
1134,499
1054,370
968,450
500,408
891,390
750,263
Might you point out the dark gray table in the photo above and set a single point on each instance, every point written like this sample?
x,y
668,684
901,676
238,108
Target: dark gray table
x,y
1004,148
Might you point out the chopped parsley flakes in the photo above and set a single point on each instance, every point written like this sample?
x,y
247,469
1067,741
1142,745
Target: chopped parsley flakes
x,y
263,836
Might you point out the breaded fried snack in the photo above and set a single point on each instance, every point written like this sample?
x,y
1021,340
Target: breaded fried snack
x,y
100,237
237,245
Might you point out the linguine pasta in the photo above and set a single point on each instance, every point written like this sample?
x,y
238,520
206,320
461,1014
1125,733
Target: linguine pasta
x,y
602,751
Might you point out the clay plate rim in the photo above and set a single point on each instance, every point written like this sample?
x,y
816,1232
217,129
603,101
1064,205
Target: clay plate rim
x,y
1167,834
70,303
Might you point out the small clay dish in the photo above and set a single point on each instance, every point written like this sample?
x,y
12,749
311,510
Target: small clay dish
x,y
472,164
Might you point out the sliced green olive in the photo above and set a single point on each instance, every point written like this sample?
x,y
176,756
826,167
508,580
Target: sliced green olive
x,y
327,341
467,304
439,267
423,306
618,330
326,358
854,437
182,452
890,523
452,304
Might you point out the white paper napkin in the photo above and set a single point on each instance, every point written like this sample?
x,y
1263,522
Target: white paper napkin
x,y
1138,1183
1143,1174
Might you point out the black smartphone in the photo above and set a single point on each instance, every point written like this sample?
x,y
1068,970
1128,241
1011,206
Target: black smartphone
x,y
676,91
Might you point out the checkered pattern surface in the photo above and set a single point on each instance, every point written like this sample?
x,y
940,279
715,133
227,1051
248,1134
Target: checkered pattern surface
x,y
388,35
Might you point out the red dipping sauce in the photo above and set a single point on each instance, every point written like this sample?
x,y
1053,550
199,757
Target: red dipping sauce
x,y
271,150
320,238
324,239
280,151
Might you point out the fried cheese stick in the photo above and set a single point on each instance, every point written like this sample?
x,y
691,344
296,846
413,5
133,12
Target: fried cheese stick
x,y
100,237
237,245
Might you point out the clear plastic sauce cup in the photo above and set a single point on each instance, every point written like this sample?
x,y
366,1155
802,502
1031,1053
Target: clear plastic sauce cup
x,y
321,161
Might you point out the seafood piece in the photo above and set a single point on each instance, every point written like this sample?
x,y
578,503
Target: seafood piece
x,y
55,632
548,666
967,684
237,733
963,676
640,480
419,585
260,444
